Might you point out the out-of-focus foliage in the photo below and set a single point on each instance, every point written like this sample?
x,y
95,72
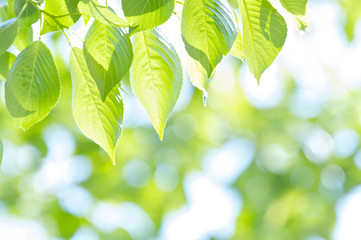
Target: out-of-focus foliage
x,y
276,167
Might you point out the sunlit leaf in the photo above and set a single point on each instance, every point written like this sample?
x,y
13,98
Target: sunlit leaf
x,y
264,33
237,48
101,13
198,76
33,86
8,32
156,76
65,12
98,120
352,10
209,29
298,12
29,15
145,14
6,61
108,53
24,38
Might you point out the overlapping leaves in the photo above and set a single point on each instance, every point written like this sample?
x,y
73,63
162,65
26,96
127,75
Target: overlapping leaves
x,y
209,30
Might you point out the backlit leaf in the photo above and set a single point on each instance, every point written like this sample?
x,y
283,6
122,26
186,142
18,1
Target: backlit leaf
x,y
209,29
100,121
108,53
8,32
145,14
264,33
6,61
156,76
65,13
101,13
33,86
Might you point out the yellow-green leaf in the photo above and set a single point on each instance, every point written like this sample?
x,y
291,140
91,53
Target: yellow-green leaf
x,y
100,121
156,76
145,15
33,86
209,29
108,54
264,33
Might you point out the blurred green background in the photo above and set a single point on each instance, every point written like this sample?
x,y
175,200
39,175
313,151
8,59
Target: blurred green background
x,y
277,161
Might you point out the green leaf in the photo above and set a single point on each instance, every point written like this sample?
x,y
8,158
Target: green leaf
x,y
199,77
264,33
108,54
100,121
237,48
101,13
24,38
296,7
65,13
145,15
6,61
29,16
33,86
3,13
298,12
352,13
209,29
8,32
156,76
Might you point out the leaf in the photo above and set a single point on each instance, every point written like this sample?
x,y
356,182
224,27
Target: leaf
x,y
298,12
145,14
30,14
156,76
352,13
108,53
6,61
100,121
296,7
65,13
209,28
264,33
8,32
101,13
198,76
33,86
237,48
3,13
24,38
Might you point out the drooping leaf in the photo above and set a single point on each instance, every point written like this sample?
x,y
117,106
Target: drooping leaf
x,y
352,10
264,33
145,15
100,121
209,28
156,76
29,15
298,12
108,54
101,13
199,77
6,61
33,86
8,32
64,11
237,48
